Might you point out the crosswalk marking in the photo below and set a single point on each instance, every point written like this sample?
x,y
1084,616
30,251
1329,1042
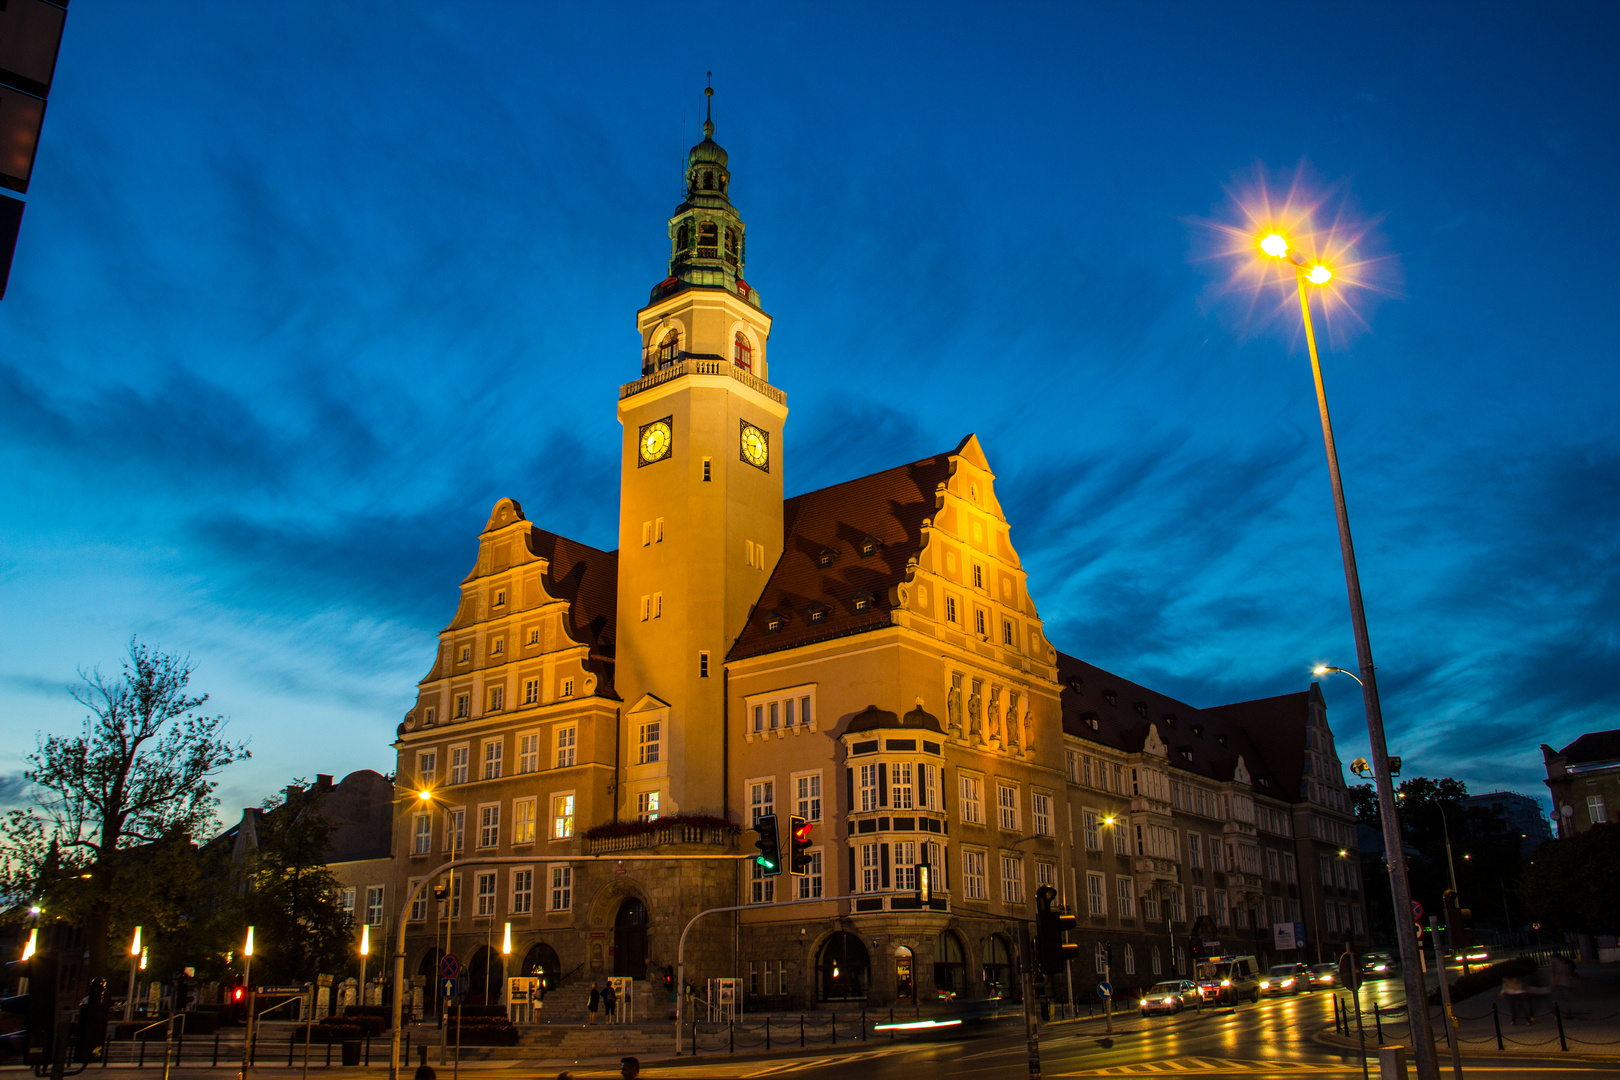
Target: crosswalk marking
x,y
1204,1065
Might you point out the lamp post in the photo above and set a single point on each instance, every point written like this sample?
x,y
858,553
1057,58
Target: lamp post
x,y
1275,246
365,948
134,962
247,982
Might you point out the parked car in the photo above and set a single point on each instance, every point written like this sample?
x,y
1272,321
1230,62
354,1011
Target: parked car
x,y
1170,996
1324,976
1380,965
1285,979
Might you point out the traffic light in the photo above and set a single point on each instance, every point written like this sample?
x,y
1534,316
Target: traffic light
x,y
1050,926
769,859
799,847
1195,949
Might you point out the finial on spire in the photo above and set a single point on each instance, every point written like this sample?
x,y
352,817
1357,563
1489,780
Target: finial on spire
x,y
708,116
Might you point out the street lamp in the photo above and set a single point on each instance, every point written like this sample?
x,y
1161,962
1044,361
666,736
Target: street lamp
x,y
1315,272
365,948
134,959
247,984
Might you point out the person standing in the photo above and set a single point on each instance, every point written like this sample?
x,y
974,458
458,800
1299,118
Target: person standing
x,y
610,1002
593,1002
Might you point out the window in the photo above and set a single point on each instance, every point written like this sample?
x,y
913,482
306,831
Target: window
x,y
1088,826
1176,912
863,601
1195,857
1101,958
522,821
1012,879
1125,890
1156,963
810,884
1150,907
1045,873
427,767
807,791
978,576
458,764
1041,808
787,713
871,868
522,892
668,348
780,710
500,598
928,788
1007,806
562,816
1096,893
418,911
706,469
1223,912
868,783
534,637
531,691
1007,636
454,902
1130,960
1273,865
1596,812
485,896
658,605
647,806
1290,870
900,785
1121,840
1276,911
703,664
658,530
761,799
647,743
1326,865
566,737
497,647
463,706
428,715
421,835
978,621
1200,902
456,837
761,889
489,825
742,353
529,752
973,885
1214,854
646,607
950,609
346,899
562,888
905,865
972,799
492,759
466,654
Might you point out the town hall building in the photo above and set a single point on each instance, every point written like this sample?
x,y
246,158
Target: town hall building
x,y
866,656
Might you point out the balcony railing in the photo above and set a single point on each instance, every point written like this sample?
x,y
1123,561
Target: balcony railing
x,y
672,834
709,366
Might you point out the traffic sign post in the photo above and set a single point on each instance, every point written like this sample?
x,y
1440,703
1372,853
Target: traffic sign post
x,y
449,966
1105,990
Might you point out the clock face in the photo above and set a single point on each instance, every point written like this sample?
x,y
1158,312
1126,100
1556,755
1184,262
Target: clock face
x,y
656,439
756,446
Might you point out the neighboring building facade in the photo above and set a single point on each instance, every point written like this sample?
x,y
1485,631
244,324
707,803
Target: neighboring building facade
x,y
1523,814
866,656
1584,778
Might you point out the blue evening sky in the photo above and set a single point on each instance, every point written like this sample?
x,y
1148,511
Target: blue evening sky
x,y
303,288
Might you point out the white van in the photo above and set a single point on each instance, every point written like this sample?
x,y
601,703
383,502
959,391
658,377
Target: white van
x,y
1227,980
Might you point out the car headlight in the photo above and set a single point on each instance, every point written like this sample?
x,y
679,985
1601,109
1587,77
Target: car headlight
x,y
1381,967
1226,982
1169,1001
1265,983
1327,978
1144,1003
1288,982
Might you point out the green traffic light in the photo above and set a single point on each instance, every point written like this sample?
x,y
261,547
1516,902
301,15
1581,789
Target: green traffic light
x,y
766,863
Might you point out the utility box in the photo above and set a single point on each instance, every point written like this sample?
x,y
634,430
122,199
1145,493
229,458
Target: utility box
x,y
1392,1063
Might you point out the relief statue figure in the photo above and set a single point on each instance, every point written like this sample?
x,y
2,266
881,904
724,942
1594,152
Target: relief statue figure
x,y
953,706
975,721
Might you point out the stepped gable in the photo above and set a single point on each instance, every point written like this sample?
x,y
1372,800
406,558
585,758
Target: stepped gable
x,y
1199,732
889,507
1279,724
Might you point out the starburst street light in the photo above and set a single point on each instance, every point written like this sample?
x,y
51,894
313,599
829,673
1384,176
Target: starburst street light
x,y
1273,245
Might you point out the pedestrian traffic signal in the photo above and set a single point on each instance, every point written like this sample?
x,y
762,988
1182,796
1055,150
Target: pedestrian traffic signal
x,y
799,847
1052,951
769,859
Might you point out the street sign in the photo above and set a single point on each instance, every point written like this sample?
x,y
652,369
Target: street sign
x,y
1417,910
1535,926
448,990
449,967
1105,990
298,989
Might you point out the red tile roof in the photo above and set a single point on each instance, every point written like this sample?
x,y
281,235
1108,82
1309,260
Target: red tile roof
x,y
589,580
1593,746
888,507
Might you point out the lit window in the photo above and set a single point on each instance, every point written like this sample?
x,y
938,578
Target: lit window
x,y
562,816
741,351
523,821
647,806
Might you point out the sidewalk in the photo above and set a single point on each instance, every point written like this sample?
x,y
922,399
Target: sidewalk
x,y
1589,1014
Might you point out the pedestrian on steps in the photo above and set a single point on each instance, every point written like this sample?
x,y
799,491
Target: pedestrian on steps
x,y
610,1003
593,1002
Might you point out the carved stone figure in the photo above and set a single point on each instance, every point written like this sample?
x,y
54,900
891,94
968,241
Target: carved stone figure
x,y
953,705
975,708
995,715
1013,723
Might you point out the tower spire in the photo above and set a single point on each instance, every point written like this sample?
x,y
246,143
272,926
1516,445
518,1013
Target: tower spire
x,y
708,108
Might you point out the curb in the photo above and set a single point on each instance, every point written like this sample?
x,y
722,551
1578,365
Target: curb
x,y
1342,1042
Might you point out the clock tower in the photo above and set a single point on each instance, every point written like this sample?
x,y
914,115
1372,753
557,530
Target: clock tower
x,y
700,511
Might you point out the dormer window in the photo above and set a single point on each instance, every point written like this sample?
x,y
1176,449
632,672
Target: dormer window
x,y
1110,696
818,613
868,545
825,556
1221,739
742,353
669,349
1075,683
1198,729
1141,709
1169,719
863,601
1090,718
774,622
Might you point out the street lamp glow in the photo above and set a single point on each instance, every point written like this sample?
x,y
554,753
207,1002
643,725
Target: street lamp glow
x,y
247,949
365,939
424,794
1319,274
1275,246
506,941
135,945
33,943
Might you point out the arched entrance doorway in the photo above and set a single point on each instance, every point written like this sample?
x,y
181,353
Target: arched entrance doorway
x,y
541,960
428,972
841,972
630,939
998,981
485,978
905,979
950,965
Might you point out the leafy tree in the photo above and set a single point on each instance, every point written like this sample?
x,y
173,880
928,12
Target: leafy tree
x,y
1572,882
107,841
289,895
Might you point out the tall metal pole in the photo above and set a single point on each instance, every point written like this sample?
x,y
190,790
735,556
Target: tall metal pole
x,y
1417,1010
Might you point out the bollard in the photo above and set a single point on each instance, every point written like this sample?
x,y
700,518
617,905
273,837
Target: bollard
x,y
731,1036
891,1025
1558,1014
141,1064
1496,1018
863,1025
1392,1063
421,1052
694,1036
216,1053
835,1029
253,1049
801,1031
767,1033
289,1049
1378,1023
